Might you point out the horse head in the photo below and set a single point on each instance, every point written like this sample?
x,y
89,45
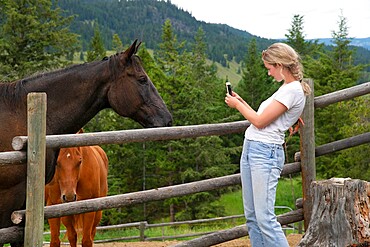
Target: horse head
x,y
67,172
132,93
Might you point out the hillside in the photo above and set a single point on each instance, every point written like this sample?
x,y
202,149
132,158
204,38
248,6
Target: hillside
x,y
143,19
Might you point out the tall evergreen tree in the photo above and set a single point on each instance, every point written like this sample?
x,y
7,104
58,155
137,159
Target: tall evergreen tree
x,y
117,45
97,50
255,85
332,71
307,51
296,38
34,37
188,83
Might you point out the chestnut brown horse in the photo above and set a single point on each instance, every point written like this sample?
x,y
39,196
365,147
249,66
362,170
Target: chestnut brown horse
x,y
81,173
74,96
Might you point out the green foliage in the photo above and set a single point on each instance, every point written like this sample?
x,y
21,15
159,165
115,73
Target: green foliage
x,y
184,80
353,162
332,71
188,83
97,50
117,45
144,19
256,85
296,39
34,37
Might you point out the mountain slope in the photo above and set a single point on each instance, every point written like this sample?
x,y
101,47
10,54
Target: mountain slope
x,y
143,20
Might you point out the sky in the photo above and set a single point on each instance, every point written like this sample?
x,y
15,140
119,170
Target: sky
x,y
272,19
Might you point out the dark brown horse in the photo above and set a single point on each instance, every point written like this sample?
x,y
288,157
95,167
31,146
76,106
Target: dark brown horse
x,y
74,96
81,173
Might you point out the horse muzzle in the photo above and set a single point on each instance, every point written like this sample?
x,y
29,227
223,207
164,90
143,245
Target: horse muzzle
x,y
69,197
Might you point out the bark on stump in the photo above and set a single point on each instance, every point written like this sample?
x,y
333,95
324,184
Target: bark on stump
x,y
340,214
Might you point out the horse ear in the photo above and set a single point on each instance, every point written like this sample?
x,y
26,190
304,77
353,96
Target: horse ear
x,y
131,50
137,47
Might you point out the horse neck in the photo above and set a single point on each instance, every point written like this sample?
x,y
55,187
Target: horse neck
x,y
74,96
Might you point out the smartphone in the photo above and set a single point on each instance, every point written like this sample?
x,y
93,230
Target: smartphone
x,y
228,88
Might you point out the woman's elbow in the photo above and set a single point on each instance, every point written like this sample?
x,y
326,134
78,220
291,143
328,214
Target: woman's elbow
x,y
259,124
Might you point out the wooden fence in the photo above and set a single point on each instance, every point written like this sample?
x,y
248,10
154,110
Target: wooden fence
x,y
144,226
304,163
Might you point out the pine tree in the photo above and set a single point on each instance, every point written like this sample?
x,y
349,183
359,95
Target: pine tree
x,y
97,50
296,39
34,37
117,45
332,71
191,91
255,85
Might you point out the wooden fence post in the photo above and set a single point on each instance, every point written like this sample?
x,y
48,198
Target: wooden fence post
x,y
36,109
142,228
307,154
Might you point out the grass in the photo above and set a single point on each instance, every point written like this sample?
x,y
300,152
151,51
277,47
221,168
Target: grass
x,y
230,72
288,191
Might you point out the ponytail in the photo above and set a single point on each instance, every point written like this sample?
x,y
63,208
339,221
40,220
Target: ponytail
x,y
306,88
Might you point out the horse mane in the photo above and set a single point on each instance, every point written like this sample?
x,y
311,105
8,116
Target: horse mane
x,y
12,92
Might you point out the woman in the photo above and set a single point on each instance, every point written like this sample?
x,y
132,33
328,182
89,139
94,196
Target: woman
x,y
262,157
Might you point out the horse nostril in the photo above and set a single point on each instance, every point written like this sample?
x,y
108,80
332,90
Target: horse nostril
x,y
69,198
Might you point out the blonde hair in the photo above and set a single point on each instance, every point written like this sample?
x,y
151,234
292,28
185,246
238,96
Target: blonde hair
x,y
283,54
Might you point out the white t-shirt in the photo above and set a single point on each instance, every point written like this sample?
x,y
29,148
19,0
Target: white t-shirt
x,y
292,96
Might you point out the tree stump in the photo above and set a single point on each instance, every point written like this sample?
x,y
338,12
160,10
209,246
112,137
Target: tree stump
x,y
340,214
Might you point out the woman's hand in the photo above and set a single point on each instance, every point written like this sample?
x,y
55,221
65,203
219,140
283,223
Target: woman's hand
x,y
233,100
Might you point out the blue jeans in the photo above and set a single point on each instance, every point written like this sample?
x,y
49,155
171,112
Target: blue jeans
x,y
260,168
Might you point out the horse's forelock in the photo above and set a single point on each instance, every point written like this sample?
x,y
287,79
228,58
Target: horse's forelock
x,y
137,63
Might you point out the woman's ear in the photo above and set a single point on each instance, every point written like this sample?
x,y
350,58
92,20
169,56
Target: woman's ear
x,y
279,65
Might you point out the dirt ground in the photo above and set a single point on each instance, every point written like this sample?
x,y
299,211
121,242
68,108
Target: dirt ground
x,y
293,240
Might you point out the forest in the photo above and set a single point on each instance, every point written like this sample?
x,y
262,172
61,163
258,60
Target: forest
x,y
142,19
180,56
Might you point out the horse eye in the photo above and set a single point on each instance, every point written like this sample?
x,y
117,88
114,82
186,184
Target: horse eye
x,y
143,80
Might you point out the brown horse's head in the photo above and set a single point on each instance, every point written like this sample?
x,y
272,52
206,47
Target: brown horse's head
x,y
67,173
133,95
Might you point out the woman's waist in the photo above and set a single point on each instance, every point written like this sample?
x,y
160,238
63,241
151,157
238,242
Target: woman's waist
x,y
265,136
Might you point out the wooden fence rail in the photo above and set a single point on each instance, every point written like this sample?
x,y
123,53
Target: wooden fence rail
x,y
341,95
144,225
117,201
338,145
136,135
179,132
20,157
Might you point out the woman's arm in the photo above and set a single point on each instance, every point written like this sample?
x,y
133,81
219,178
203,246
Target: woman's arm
x,y
272,111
